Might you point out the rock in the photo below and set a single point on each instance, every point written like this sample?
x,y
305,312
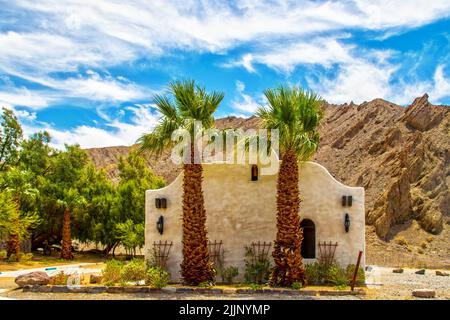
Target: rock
x,y
95,279
441,273
424,293
399,270
421,271
32,278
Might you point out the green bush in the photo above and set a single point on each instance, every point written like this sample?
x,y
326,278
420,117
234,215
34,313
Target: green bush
x,y
111,274
59,279
26,257
13,258
337,276
360,277
257,269
2,255
316,273
134,270
157,277
297,285
255,286
229,273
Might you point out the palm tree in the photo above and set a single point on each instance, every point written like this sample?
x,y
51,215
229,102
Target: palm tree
x,y
71,201
296,114
18,184
184,104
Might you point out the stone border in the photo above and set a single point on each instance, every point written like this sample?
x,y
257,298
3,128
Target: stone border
x,y
212,291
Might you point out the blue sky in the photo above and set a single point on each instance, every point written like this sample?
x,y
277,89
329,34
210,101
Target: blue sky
x,y
86,71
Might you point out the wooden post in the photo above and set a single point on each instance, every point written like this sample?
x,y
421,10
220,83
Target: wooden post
x,y
356,270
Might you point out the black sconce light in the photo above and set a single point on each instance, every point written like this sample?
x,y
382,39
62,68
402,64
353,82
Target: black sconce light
x,y
347,222
161,203
160,224
347,201
254,172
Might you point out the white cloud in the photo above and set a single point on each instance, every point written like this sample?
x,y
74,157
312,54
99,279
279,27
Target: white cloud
x,y
120,133
244,103
24,97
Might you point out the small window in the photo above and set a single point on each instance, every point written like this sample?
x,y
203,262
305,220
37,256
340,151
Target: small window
x,y
308,250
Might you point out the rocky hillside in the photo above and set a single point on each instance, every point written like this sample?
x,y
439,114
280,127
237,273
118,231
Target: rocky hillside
x,y
400,155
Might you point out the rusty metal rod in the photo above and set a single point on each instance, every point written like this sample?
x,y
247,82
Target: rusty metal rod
x,y
356,270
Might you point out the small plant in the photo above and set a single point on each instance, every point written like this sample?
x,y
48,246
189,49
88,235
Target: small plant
x,y
400,240
424,244
430,239
111,274
60,279
2,255
257,268
157,277
340,287
420,251
297,285
26,257
256,286
229,273
316,273
12,258
337,276
205,284
134,270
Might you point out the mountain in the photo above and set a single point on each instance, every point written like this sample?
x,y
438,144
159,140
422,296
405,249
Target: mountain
x,y
400,155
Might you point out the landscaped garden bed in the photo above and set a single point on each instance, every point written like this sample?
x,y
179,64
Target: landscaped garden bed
x,y
193,290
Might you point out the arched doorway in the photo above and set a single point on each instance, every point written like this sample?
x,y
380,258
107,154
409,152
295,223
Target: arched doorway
x,y
308,249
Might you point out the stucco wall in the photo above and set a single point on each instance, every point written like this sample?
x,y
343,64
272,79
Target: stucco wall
x,y
240,211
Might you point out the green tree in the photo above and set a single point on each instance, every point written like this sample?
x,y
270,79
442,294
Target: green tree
x,y
184,104
296,114
10,139
135,179
61,190
18,215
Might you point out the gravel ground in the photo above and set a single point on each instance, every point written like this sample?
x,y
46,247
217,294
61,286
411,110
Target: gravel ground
x,y
384,284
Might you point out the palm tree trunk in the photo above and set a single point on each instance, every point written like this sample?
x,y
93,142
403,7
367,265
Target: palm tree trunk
x,y
196,266
66,250
288,261
13,246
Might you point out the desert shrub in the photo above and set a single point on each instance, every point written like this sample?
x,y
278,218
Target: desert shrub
x,y
337,276
12,258
316,273
111,274
2,255
297,285
420,251
229,273
59,279
157,277
134,270
255,286
360,277
424,245
430,239
257,269
401,240
26,257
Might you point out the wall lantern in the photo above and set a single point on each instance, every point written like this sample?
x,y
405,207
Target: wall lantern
x,y
347,201
160,224
161,203
347,222
254,172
